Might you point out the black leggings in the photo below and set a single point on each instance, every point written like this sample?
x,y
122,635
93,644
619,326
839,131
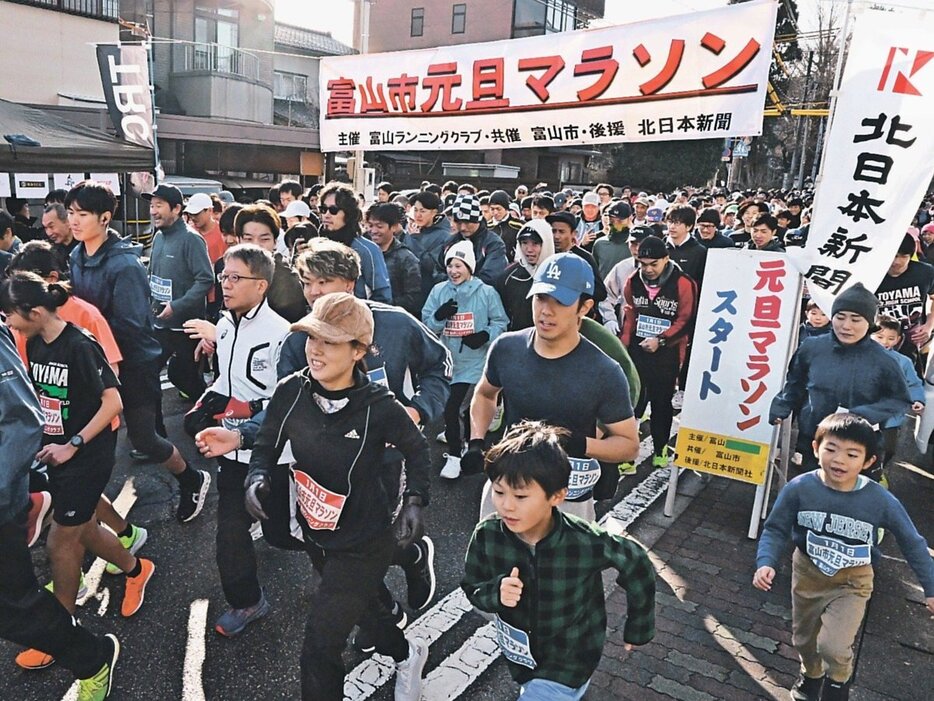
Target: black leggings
x,y
456,422
658,372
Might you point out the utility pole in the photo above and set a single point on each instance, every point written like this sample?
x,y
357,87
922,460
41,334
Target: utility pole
x,y
802,149
359,177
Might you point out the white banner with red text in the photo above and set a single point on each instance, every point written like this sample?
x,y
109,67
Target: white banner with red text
x,y
880,155
695,76
747,312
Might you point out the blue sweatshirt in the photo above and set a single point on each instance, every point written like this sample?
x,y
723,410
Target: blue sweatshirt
x,y
837,529
915,386
180,273
373,282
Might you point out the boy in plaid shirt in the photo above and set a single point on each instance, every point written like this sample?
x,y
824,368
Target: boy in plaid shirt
x,y
539,570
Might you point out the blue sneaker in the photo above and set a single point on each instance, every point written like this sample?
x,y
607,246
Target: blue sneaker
x,y
234,621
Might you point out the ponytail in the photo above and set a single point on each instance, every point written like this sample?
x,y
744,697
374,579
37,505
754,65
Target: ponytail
x,y
24,291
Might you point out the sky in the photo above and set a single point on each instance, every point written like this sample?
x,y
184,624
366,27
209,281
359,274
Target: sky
x,y
338,19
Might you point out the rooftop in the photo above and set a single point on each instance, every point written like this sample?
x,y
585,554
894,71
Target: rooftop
x,y
321,43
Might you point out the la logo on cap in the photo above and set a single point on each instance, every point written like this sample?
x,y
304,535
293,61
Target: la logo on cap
x,y
554,272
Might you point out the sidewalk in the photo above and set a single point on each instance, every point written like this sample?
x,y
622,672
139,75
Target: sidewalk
x,y
719,638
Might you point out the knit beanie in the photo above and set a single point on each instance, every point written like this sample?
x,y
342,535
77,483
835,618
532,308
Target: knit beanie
x,y
463,251
859,300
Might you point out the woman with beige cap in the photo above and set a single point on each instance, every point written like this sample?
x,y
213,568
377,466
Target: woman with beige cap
x,y
339,424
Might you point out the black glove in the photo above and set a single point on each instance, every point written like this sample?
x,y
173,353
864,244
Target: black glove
x,y
257,489
411,523
202,413
476,340
472,460
446,310
575,444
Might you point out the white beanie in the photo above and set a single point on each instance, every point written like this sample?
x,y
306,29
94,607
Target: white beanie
x,y
463,251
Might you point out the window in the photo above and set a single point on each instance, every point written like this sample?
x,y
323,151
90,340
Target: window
x,y
290,86
216,23
98,9
418,21
538,17
459,18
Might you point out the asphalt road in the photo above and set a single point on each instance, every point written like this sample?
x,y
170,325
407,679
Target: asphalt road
x,y
170,650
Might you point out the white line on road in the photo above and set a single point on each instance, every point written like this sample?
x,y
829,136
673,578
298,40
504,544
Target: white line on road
x,y
192,684
459,670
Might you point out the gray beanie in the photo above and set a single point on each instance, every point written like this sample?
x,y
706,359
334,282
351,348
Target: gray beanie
x,y
859,300
500,197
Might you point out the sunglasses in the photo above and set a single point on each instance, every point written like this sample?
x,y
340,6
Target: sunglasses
x,y
333,209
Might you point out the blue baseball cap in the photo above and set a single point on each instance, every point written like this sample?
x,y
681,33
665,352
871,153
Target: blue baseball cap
x,y
564,276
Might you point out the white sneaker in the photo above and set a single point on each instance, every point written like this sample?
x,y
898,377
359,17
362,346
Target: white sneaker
x,y
409,672
452,467
441,438
677,401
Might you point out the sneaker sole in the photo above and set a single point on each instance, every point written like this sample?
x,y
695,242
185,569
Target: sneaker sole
x,y
255,617
202,494
431,568
37,667
142,595
113,661
111,568
40,518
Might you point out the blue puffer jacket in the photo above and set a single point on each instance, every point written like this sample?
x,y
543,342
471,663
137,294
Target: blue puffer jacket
x,y
479,308
115,281
427,245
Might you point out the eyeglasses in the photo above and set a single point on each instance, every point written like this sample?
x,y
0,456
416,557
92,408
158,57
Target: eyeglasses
x,y
333,209
234,278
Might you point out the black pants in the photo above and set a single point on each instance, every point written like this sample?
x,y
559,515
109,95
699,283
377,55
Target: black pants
x,y
32,617
658,372
184,371
236,558
142,409
347,592
456,422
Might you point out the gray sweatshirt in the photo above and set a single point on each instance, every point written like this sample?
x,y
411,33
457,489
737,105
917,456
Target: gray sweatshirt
x,y
180,272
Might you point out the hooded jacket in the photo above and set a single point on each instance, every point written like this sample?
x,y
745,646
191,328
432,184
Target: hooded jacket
x,y
114,281
428,245
478,309
341,495
373,282
180,273
514,285
488,249
821,378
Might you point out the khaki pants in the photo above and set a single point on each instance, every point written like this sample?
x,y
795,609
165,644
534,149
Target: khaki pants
x,y
825,615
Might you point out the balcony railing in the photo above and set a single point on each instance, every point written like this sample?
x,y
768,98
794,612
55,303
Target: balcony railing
x,y
215,58
97,9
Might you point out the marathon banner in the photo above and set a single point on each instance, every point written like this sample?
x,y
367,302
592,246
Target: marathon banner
x,y
880,155
124,72
695,76
747,312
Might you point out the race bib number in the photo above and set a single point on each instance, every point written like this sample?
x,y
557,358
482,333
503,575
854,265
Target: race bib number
x,y
831,555
461,324
378,377
651,326
52,410
514,644
160,288
321,507
585,473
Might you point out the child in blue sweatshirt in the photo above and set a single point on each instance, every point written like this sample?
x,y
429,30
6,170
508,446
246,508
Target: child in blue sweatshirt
x,y
833,515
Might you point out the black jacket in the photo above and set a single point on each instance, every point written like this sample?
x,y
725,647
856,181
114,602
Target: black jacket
x,y
691,257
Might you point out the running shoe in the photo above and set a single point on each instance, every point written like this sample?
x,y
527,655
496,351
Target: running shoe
x,y
234,621
82,588
497,422
39,505
133,542
363,640
452,467
677,401
136,588
97,688
190,502
660,461
256,531
33,659
835,691
807,689
420,577
626,468
409,672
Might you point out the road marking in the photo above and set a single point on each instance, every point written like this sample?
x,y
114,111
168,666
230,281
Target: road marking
x,y
366,678
192,684
92,579
459,670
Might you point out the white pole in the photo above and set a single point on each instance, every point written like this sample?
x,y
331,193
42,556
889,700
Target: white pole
x,y
673,472
359,178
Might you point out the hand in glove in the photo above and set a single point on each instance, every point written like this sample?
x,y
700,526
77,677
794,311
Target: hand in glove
x,y
446,310
257,489
472,461
612,326
411,523
476,340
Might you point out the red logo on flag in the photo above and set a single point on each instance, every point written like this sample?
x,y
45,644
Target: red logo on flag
x,y
901,83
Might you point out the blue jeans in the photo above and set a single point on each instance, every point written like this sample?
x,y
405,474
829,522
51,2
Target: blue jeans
x,y
545,690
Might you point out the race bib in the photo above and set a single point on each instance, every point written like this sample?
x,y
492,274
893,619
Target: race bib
x,y
160,288
585,473
831,555
514,644
378,377
651,326
461,324
321,507
52,410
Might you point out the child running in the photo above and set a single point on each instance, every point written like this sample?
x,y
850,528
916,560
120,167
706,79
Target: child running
x,y
833,516
78,393
539,570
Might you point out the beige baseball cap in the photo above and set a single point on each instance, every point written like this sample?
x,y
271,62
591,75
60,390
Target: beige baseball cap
x,y
338,317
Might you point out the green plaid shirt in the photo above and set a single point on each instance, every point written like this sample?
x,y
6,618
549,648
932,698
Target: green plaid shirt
x,y
562,608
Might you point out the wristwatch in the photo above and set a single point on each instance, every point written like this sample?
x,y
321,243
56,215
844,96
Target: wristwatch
x,y
76,441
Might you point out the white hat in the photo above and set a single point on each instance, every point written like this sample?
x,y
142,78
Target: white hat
x,y
463,251
591,198
198,203
297,208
